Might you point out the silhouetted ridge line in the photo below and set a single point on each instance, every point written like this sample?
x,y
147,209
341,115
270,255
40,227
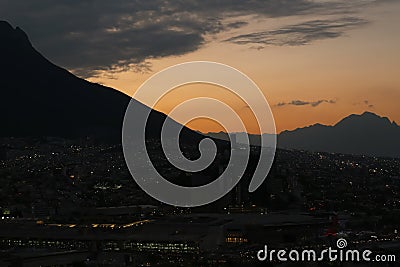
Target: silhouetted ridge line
x,y
39,98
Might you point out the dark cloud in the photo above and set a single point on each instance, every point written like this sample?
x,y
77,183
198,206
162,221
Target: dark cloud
x,y
236,25
305,103
365,103
299,103
368,104
299,34
89,35
281,104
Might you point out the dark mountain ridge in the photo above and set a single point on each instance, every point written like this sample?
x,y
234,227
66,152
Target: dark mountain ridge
x,y
360,134
39,98
364,134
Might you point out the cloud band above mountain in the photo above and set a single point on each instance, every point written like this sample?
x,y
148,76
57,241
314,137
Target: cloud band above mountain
x,y
305,103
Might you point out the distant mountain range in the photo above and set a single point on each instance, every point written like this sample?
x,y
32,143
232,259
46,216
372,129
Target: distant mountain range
x,y
364,134
39,98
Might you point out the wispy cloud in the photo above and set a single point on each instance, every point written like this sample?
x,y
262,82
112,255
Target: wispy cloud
x,y
368,104
299,34
305,103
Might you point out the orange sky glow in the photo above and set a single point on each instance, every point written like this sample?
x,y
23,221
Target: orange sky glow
x,y
353,73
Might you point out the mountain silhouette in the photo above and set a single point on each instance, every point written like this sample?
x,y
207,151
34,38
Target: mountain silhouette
x,y
365,134
39,98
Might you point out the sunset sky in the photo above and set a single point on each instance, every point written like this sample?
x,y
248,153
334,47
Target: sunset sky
x,y
315,61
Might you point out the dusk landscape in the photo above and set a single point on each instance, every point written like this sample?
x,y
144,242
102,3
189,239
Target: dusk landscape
x,y
75,181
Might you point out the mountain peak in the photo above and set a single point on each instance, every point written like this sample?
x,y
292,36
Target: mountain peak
x,y
363,134
5,27
370,114
42,99
11,38
366,118
365,114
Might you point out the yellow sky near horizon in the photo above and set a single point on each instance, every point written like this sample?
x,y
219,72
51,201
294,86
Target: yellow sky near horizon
x,y
359,71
